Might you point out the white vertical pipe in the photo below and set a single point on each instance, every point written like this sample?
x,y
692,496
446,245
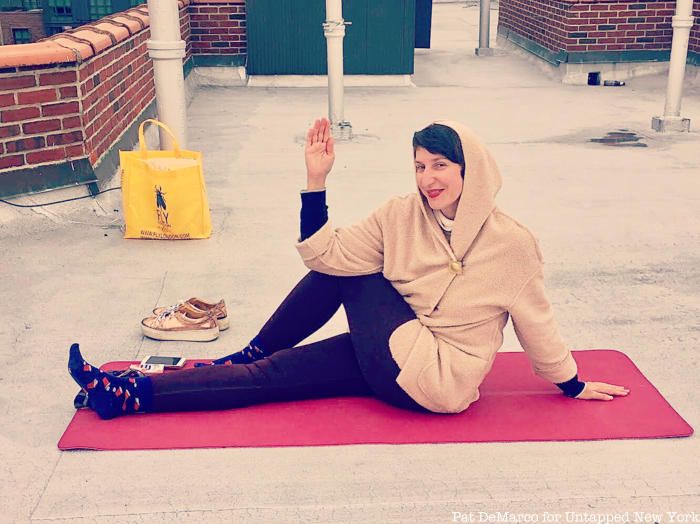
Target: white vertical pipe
x,y
334,31
484,29
484,23
167,49
682,23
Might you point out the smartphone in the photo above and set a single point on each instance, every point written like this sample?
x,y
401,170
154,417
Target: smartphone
x,y
168,362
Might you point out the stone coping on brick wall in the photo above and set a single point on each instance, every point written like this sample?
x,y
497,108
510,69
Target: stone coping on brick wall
x,y
82,43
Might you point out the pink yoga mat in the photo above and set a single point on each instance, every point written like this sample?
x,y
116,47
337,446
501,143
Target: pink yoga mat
x,y
515,405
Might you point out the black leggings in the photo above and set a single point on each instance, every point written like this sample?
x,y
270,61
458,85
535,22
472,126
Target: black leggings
x,y
357,363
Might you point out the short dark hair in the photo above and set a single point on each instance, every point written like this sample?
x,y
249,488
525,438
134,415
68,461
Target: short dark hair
x,y
440,140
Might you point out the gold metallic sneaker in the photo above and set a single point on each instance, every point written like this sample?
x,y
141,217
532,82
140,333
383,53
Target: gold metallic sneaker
x,y
173,324
197,308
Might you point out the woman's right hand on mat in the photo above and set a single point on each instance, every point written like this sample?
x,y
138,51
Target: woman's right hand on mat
x,y
601,391
319,153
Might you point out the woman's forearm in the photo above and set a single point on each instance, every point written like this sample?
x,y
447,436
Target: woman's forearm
x,y
314,185
314,211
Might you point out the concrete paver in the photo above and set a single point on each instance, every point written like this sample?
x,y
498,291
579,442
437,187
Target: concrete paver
x,y
619,230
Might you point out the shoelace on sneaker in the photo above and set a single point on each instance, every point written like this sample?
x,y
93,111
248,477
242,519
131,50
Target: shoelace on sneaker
x,y
168,312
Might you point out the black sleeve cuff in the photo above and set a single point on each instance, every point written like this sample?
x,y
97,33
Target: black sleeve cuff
x,y
314,212
572,387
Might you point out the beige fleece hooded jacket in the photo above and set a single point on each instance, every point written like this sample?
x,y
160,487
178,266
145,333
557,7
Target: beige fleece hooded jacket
x,y
461,291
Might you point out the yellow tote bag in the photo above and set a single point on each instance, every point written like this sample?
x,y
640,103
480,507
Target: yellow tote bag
x,y
163,192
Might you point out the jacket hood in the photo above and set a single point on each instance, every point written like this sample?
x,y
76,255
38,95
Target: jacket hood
x,y
482,181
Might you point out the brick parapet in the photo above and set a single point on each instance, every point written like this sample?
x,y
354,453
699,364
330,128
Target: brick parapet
x,y
71,95
593,25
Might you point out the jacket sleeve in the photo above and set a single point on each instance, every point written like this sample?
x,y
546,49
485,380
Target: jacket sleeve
x,y
538,333
346,251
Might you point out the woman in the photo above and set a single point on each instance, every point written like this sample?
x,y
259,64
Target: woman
x,y
428,282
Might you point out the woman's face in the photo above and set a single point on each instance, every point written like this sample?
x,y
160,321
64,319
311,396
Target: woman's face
x,y
435,172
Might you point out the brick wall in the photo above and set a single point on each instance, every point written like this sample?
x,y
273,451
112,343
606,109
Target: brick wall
x,y
32,20
115,88
592,25
74,110
186,30
694,42
219,28
39,119
72,95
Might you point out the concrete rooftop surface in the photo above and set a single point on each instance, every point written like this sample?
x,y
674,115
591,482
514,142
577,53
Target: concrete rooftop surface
x,y
619,228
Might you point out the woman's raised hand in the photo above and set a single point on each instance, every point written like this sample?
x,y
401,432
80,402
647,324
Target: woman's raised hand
x,y
319,152
601,391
